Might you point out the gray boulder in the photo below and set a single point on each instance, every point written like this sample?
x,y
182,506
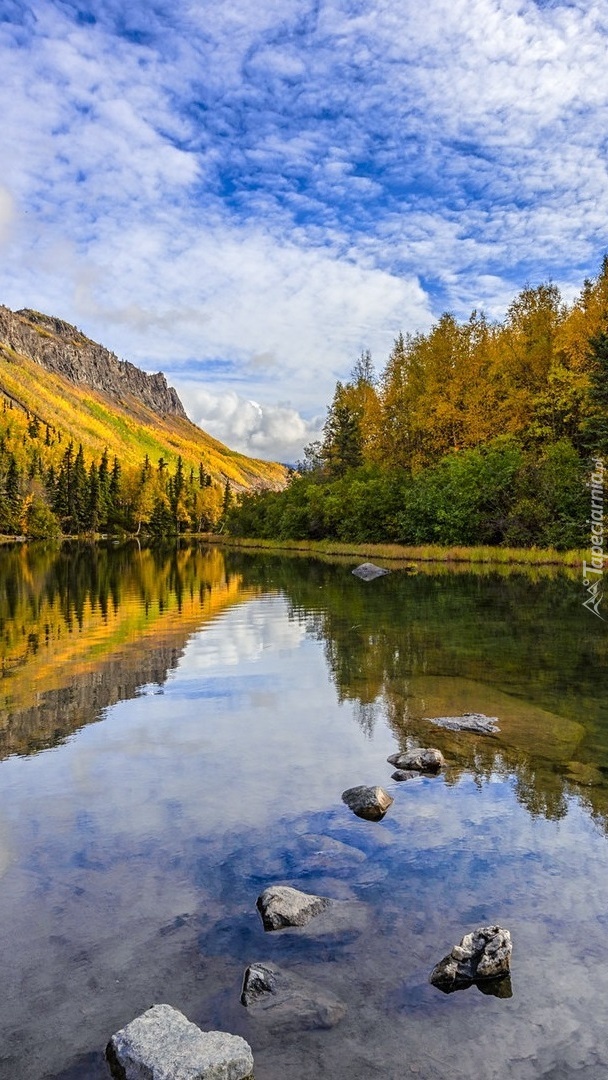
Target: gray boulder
x,y
280,906
368,571
162,1044
422,759
483,954
469,721
404,774
367,802
287,1001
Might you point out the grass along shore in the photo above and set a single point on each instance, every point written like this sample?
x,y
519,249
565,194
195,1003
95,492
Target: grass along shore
x,y
486,554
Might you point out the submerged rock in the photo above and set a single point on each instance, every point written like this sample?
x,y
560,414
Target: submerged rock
x,y
368,571
469,721
483,954
288,1001
367,802
585,774
280,906
404,774
162,1044
325,854
422,759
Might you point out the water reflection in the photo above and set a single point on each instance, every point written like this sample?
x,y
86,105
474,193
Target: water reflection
x,y
240,696
520,647
85,626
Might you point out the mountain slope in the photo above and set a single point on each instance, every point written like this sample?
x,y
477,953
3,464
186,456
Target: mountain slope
x,y
83,393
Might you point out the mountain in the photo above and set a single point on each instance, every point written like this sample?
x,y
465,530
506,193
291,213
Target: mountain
x,y
52,374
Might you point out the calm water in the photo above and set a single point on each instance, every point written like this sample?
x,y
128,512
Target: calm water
x,y
176,729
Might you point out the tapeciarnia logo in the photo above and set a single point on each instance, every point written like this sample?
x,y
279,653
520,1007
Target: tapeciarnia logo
x,y
593,571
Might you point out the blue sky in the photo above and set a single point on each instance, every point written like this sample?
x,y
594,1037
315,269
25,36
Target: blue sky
x,y
247,194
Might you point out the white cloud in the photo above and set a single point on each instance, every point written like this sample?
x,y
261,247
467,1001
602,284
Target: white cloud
x,y
263,179
7,214
276,431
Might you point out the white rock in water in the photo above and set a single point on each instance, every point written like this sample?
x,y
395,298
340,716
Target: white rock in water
x,y
469,721
368,571
162,1044
280,906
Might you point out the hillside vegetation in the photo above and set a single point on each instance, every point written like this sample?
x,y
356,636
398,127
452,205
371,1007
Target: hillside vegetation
x,y
79,457
473,433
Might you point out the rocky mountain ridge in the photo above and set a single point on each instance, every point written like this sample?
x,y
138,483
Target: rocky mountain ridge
x,y
63,349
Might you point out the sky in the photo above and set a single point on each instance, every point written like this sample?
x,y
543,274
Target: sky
x,y
247,194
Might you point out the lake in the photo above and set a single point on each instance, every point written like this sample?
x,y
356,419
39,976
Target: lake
x,y
176,729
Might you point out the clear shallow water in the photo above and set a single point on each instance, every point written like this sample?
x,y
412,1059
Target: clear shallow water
x,y
177,731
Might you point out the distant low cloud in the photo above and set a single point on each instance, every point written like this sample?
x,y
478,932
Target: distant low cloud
x,y
266,431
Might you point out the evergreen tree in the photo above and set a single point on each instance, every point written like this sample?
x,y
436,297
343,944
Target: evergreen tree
x,y
595,428
34,427
342,442
93,500
103,476
226,505
79,493
115,515
12,492
176,492
62,496
162,522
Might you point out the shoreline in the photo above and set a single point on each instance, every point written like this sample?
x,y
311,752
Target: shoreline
x,y
392,552
430,553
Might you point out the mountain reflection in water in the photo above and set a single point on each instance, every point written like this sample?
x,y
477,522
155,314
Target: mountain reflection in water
x,y
176,728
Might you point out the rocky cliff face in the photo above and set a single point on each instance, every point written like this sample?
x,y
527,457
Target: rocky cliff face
x,y
63,349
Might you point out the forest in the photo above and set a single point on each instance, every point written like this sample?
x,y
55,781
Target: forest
x,y
48,488
475,432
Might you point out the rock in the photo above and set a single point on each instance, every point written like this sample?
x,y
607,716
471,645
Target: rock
x,y
404,774
469,721
483,954
288,1001
367,802
280,906
422,759
585,774
320,854
63,349
500,988
162,1044
368,571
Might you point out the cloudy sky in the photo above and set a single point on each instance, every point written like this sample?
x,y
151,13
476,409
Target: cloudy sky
x,y
247,193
